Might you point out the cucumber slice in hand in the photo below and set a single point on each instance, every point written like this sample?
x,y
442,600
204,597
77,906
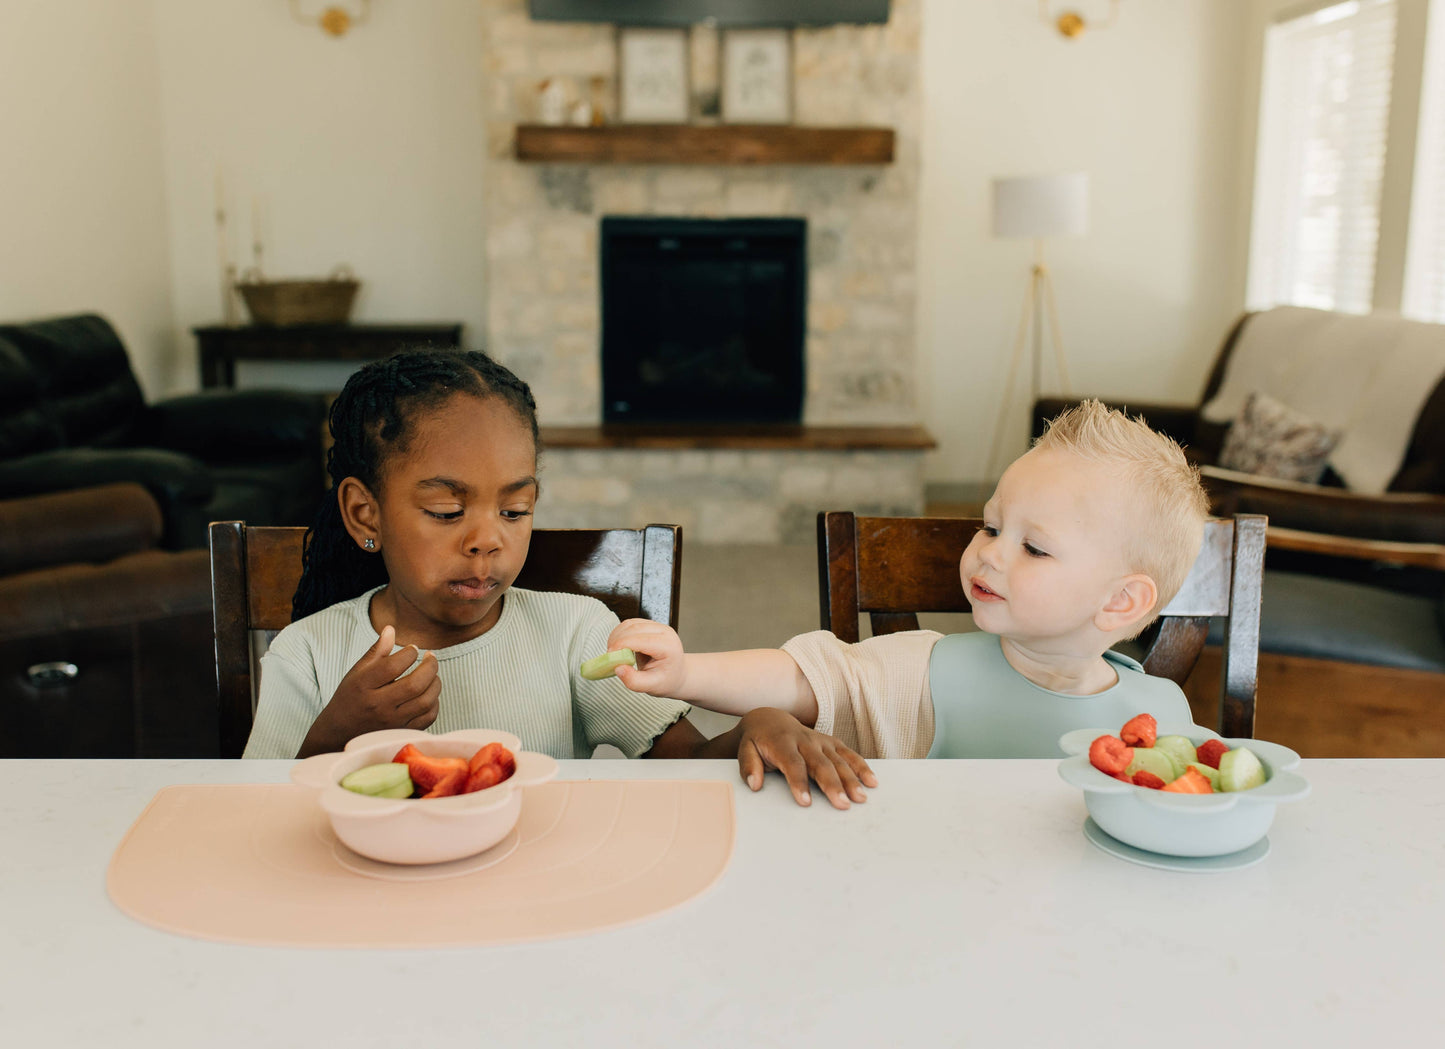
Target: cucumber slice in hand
x,y
389,780
606,664
1239,769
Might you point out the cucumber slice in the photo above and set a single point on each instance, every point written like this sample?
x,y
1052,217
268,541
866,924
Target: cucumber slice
x,y
606,664
1159,762
1179,748
1239,769
390,780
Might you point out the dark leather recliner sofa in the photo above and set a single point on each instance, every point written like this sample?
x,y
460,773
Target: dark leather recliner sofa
x,y
72,415
106,641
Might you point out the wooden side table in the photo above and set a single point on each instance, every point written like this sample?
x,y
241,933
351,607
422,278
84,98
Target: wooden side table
x,y
221,347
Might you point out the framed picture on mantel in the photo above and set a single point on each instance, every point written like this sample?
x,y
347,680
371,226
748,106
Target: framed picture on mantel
x,y
652,76
757,76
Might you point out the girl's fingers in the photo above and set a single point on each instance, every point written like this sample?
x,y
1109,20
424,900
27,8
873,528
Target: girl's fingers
x,y
849,778
820,766
795,770
859,767
420,711
751,766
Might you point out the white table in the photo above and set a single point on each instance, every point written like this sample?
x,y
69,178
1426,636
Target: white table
x,y
960,906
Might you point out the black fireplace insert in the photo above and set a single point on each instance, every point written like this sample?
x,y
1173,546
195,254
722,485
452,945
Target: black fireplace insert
x,y
703,320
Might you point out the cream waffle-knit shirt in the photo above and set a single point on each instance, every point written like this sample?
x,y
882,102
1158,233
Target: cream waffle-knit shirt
x,y
875,695
521,676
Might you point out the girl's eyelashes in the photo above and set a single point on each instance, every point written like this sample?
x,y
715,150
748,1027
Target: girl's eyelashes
x,y
1034,551
447,515
989,530
516,515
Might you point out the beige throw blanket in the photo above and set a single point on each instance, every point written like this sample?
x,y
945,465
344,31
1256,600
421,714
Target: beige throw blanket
x,y
1365,376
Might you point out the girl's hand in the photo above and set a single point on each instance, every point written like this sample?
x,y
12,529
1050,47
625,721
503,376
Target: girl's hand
x,y
661,664
775,739
374,695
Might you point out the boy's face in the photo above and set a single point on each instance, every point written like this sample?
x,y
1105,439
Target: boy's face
x,y
1050,558
453,519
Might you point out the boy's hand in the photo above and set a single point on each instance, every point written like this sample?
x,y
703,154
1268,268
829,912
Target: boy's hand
x,y
775,739
374,695
660,669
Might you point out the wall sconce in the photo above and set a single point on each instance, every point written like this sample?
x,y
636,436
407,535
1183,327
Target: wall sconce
x,y
1072,24
335,19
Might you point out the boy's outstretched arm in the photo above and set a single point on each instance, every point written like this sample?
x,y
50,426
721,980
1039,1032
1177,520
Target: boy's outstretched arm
x,y
727,682
767,738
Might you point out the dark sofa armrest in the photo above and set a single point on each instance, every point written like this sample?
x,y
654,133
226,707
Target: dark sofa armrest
x,y
87,525
231,425
1179,421
1395,517
1414,555
177,481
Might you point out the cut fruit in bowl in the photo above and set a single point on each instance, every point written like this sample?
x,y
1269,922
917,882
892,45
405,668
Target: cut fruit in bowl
x,y
420,830
1179,821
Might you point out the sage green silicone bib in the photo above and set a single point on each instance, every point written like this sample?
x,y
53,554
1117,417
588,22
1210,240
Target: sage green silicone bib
x,y
984,708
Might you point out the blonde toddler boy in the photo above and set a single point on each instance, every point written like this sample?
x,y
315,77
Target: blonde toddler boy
x,y
1087,536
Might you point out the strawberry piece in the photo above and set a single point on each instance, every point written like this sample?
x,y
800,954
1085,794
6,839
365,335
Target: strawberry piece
x,y
1210,751
1145,778
451,783
1140,731
482,777
427,772
1192,782
489,766
494,754
1109,754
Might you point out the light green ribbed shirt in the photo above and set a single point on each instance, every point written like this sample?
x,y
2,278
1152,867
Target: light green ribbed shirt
x,y
520,676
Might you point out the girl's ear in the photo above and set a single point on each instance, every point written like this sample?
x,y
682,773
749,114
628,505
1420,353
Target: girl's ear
x,y
360,513
1132,600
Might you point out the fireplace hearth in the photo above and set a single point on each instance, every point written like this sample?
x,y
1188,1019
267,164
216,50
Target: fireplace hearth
x,y
703,320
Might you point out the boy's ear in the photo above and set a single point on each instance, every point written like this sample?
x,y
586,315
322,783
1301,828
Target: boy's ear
x,y
1132,601
359,513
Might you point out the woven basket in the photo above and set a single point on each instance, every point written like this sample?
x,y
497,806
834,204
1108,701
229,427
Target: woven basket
x,y
282,302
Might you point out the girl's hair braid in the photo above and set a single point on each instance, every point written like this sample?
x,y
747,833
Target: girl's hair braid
x,y
371,420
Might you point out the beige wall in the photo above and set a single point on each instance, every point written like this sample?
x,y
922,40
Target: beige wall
x,y
1150,109
82,196
365,150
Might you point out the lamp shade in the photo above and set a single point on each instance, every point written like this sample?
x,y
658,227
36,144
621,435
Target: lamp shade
x,y
1041,206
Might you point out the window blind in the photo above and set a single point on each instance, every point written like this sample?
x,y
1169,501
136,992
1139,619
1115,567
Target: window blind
x,y
1324,107
1424,293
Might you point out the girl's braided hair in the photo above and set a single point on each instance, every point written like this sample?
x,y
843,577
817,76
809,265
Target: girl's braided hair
x,y
371,420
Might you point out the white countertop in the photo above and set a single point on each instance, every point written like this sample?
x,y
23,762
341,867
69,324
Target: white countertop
x,y
960,906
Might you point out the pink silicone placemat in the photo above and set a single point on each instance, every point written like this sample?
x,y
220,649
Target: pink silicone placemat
x,y
257,864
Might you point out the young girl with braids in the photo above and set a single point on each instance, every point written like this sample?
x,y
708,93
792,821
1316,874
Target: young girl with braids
x,y
406,616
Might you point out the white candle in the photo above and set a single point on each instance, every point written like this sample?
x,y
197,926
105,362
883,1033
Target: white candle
x,y
222,255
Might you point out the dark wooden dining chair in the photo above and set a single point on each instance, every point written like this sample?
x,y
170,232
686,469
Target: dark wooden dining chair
x,y
636,572
893,568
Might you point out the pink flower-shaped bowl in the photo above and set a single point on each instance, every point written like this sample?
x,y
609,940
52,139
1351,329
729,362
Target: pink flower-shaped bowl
x,y
417,830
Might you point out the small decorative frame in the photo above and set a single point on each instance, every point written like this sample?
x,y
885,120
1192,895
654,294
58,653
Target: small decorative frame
x,y
757,76
652,75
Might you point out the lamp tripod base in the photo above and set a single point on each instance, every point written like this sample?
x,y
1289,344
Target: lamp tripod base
x,y
1039,304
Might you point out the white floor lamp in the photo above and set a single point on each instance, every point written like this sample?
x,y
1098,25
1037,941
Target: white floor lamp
x,y
1036,207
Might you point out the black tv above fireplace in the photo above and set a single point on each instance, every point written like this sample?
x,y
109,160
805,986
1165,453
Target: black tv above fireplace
x,y
723,12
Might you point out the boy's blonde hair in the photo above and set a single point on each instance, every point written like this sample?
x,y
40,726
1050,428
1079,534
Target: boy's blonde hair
x,y
1170,503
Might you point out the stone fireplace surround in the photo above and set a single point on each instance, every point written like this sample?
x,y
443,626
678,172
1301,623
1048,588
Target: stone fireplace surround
x,y
859,447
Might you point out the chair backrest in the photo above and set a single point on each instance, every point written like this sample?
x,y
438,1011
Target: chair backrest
x,y
636,572
896,567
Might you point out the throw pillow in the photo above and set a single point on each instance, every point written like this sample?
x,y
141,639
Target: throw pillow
x,y
1271,439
